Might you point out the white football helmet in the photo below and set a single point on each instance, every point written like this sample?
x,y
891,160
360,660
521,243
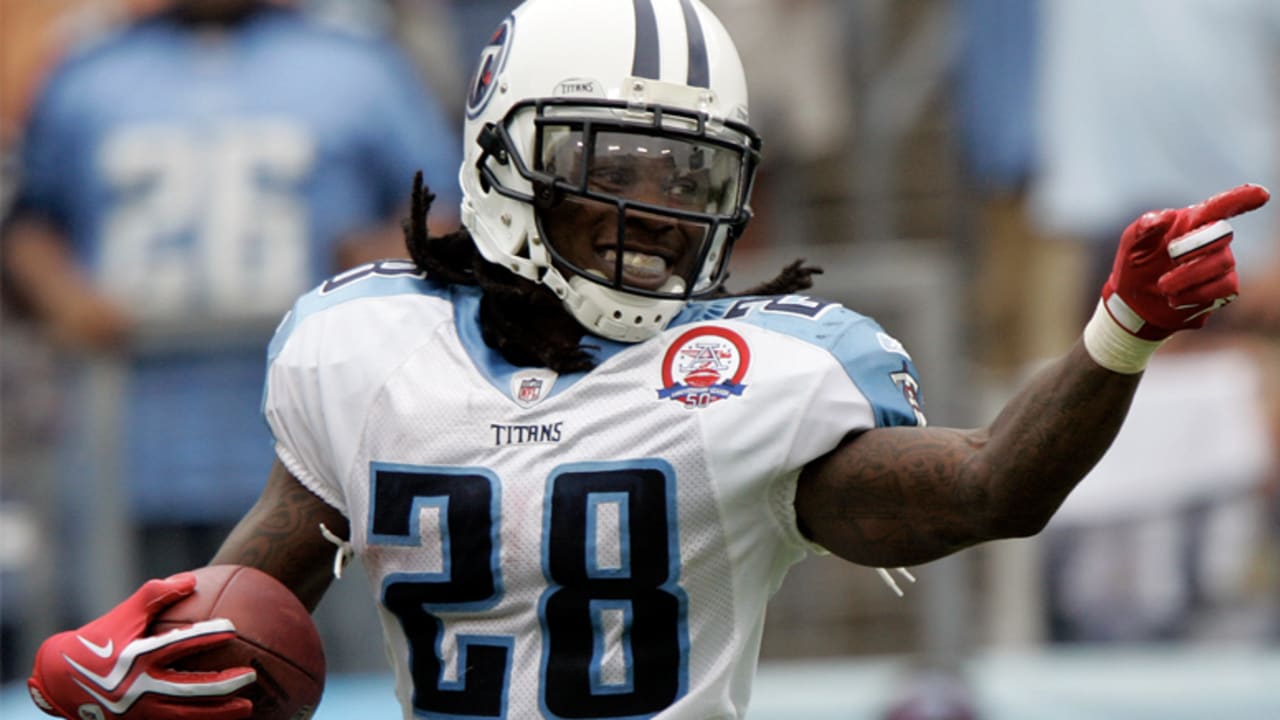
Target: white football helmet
x,y
608,156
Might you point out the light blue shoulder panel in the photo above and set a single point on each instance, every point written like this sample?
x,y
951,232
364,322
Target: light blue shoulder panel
x,y
379,279
874,361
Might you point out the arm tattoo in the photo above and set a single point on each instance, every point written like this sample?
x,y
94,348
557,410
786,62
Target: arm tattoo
x,y
281,536
908,495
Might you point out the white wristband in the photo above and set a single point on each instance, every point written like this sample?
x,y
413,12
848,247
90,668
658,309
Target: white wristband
x,y
1115,348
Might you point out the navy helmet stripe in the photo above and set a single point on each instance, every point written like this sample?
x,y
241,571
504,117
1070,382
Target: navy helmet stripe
x,y
699,72
646,63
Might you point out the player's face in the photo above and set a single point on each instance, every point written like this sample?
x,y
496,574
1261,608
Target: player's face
x,y
656,252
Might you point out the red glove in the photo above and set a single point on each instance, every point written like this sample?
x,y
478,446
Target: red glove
x,y
108,669
1175,267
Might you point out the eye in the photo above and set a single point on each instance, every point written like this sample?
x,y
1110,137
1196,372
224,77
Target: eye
x,y
687,189
613,179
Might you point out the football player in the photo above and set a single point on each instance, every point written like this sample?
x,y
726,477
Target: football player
x,y
573,466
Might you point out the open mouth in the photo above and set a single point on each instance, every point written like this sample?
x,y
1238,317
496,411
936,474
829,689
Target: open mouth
x,y
648,269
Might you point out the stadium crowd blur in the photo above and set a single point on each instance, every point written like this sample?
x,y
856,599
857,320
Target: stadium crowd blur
x,y
962,169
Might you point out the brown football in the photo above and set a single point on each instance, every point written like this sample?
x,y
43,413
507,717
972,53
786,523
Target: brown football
x,y
275,636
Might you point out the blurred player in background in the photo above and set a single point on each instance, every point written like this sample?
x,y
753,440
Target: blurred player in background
x,y
199,169
574,466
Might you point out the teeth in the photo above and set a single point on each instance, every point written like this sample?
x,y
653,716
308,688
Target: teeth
x,y
636,261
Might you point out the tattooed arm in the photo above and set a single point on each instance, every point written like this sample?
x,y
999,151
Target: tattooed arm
x,y
899,496
280,535
903,496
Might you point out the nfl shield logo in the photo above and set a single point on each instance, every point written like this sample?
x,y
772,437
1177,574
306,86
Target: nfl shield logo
x,y
530,390
531,386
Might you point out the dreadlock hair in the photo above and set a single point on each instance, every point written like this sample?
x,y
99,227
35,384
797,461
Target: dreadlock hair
x,y
523,320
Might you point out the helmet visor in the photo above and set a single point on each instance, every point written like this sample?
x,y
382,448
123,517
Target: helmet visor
x,y
640,212
647,170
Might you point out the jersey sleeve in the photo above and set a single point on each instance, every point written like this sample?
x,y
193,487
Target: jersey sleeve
x,y
879,366
818,373
293,404
328,361
840,372
872,383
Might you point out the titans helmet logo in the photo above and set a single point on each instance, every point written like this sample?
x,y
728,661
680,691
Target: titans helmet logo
x,y
492,59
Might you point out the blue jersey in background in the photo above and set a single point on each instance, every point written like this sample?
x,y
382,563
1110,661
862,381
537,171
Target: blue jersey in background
x,y
206,178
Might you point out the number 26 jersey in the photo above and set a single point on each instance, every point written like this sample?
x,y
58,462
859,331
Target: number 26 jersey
x,y
589,545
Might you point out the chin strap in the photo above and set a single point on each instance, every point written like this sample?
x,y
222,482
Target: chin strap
x,y
344,552
888,579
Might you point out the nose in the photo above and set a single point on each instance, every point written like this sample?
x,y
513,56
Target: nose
x,y
639,221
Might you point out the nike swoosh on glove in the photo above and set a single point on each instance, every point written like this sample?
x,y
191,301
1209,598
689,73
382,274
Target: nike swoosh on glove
x,y
80,674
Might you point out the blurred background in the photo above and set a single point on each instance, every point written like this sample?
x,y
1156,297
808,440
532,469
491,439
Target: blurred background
x,y
962,170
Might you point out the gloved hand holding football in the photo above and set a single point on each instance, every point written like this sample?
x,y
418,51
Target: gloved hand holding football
x,y
110,668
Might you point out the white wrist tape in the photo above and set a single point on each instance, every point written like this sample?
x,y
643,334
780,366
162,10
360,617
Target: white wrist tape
x,y
1115,348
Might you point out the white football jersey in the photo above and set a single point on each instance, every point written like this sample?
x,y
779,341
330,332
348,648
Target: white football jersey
x,y
594,545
